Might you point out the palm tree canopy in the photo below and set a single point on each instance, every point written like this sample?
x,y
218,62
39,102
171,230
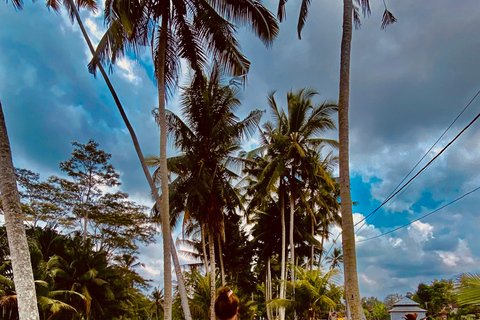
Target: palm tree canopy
x,y
196,31
209,135
363,5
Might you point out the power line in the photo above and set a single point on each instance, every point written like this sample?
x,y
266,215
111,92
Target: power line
x,y
404,187
393,194
424,216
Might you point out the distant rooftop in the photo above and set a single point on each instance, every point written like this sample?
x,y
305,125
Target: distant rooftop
x,y
406,305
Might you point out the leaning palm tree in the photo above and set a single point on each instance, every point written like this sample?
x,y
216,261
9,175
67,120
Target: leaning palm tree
x,y
179,29
17,239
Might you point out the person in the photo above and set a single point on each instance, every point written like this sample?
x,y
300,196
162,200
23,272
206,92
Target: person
x,y
226,304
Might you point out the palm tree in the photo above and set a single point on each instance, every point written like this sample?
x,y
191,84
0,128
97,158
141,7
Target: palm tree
x,y
335,259
17,239
289,143
348,233
208,138
84,271
180,29
157,302
316,291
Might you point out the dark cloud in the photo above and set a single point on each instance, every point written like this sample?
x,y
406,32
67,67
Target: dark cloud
x,y
407,84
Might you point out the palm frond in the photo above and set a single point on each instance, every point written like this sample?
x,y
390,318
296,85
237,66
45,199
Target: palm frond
x,y
302,16
387,19
467,289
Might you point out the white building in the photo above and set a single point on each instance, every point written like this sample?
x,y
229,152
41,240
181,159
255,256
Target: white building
x,y
406,306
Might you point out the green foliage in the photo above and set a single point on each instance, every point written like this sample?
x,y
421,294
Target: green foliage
x,y
375,309
435,297
468,289
316,292
113,223
75,281
80,275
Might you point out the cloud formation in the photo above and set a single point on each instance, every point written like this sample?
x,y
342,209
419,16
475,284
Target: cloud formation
x,y
408,83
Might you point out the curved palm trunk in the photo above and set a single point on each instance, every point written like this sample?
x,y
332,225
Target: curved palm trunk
x,y
211,246
145,170
348,236
180,282
282,271
312,249
17,239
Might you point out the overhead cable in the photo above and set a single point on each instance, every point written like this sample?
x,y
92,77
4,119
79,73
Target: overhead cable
x,y
393,194
422,217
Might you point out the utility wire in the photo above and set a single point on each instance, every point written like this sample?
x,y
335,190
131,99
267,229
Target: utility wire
x,y
393,194
422,217
404,187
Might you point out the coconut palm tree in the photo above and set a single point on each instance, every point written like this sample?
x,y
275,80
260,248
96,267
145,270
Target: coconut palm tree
x,y
17,239
335,259
180,29
157,302
209,135
289,143
316,291
350,12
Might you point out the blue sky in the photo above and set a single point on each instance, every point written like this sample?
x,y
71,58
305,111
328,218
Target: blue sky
x,y
408,83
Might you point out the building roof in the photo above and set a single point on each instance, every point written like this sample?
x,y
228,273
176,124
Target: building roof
x,y
407,306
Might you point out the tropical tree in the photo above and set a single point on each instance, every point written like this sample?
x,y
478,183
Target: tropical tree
x,y
289,144
316,291
208,138
84,271
180,29
17,239
350,12
90,170
157,302
335,259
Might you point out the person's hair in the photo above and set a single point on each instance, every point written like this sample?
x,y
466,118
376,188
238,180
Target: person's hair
x,y
226,303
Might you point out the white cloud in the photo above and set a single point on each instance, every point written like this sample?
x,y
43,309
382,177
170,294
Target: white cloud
x,y
127,71
420,232
94,31
152,271
462,254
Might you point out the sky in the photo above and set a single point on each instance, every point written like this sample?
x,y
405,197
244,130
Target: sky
x,y
408,83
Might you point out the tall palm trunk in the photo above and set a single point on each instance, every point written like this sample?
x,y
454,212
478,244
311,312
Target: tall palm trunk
x,y
348,235
268,290
85,211
180,282
205,259
17,239
220,257
312,249
282,271
211,246
166,236
292,243
163,169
